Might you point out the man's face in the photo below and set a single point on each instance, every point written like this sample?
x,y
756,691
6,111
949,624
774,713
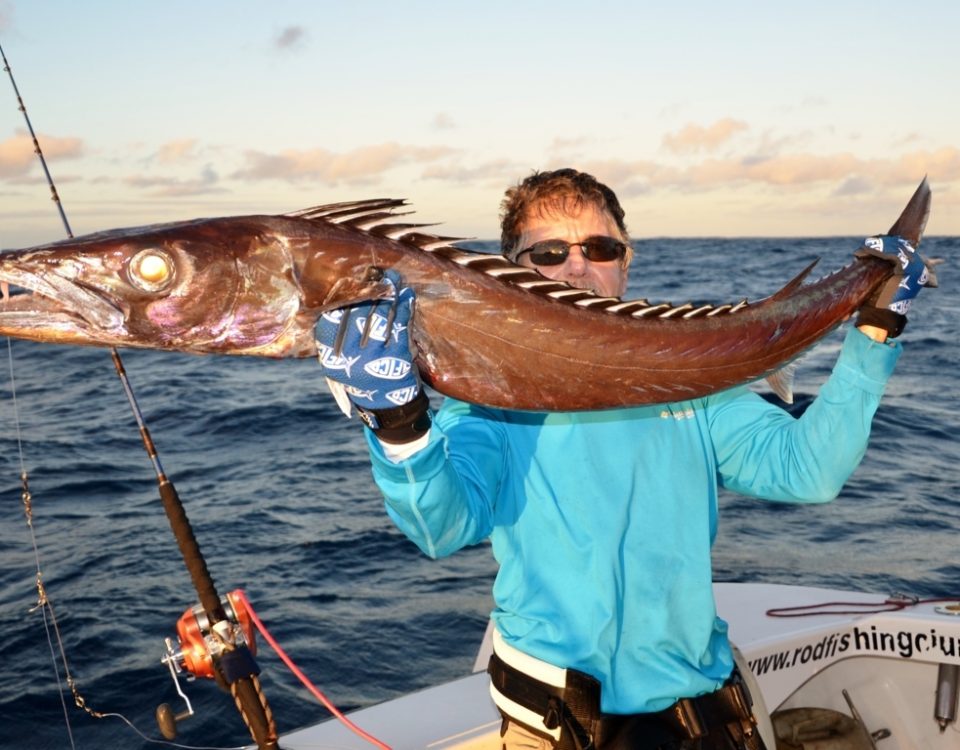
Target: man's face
x,y
606,278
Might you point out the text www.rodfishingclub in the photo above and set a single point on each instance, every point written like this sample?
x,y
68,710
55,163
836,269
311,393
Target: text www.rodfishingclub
x,y
904,644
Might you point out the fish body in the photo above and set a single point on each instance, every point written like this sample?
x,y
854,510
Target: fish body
x,y
484,329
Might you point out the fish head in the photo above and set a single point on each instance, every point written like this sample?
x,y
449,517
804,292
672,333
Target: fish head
x,y
200,286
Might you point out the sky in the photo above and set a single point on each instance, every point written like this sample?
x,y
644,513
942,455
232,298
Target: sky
x,y
707,119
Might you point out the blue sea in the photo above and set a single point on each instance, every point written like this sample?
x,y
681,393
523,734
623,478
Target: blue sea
x,y
277,485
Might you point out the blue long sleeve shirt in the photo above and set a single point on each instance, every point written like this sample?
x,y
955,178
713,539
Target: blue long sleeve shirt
x,y
602,522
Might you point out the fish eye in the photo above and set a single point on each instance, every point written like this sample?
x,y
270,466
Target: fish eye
x,y
151,270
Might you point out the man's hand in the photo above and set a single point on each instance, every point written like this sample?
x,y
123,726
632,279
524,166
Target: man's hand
x,y
887,308
365,353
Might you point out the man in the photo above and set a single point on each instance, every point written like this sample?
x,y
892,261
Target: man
x,y
602,522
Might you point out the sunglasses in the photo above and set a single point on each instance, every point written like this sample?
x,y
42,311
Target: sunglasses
x,y
595,249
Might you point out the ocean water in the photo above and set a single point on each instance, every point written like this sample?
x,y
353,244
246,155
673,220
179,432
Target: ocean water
x,y
277,485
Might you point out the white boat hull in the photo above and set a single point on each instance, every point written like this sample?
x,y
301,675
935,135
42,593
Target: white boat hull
x,y
886,662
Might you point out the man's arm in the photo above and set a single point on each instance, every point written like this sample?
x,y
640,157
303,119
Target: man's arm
x,y
441,502
443,496
877,334
763,451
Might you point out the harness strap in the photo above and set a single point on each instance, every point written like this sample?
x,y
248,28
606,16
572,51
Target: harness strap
x,y
572,718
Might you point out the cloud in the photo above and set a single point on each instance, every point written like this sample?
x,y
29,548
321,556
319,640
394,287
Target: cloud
x,y
207,183
854,185
785,169
940,165
290,37
851,172
786,162
560,144
497,172
846,173
41,179
913,137
17,157
616,172
628,178
357,166
692,138
443,121
177,151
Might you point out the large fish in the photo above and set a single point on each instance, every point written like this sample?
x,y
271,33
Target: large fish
x,y
486,330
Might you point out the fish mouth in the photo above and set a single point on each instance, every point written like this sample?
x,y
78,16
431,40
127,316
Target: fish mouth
x,y
48,307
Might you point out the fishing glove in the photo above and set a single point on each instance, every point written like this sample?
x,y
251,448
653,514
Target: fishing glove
x,y
365,353
888,306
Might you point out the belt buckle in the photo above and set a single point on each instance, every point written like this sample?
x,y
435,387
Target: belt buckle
x,y
688,715
744,700
741,695
744,705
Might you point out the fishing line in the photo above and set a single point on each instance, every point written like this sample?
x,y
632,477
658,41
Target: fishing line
x,y
249,698
166,743
36,146
43,601
246,690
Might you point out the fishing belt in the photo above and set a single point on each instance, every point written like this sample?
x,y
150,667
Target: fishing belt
x,y
571,715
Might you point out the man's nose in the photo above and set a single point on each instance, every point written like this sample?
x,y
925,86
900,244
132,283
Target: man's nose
x,y
576,262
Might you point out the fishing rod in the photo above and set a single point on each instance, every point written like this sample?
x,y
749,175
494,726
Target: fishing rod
x,y
212,635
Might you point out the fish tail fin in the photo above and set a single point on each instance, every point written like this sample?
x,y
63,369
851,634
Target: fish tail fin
x,y
913,220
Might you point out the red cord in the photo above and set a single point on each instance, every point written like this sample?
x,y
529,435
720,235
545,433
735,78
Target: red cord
x,y
303,678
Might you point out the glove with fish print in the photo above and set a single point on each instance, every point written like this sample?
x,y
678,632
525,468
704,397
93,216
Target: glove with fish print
x,y
365,353
888,306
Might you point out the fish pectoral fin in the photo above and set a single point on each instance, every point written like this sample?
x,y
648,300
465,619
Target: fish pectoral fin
x,y
781,382
339,392
350,291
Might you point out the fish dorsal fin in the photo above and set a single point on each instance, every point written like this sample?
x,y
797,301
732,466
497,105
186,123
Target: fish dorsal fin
x,y
795,283
378,216
337,212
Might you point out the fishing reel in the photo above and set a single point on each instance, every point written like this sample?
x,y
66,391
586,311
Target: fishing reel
x,y
198,644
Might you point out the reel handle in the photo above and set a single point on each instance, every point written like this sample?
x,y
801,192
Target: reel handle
x,y
167,720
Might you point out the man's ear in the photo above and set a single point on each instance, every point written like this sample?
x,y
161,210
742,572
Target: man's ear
x,y
624,279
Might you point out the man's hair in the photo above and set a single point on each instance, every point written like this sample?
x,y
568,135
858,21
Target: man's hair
x,y
562,191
